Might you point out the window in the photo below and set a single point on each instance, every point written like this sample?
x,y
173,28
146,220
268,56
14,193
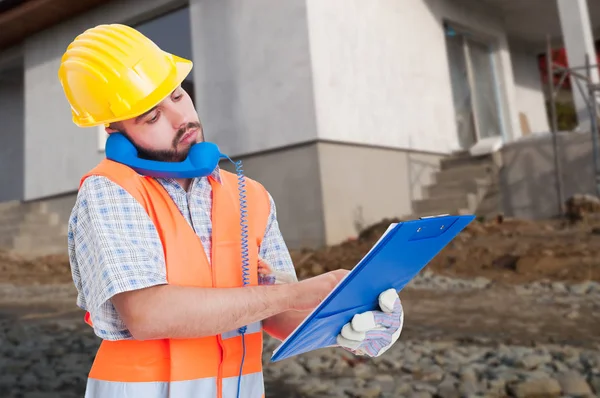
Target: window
x,y
474,86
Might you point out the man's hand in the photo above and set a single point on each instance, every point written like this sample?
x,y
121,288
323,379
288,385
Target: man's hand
x,y
310,293
319,286
373,332
268,276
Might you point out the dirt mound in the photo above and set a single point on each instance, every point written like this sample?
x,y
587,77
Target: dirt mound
x,y
507,250
578,207
42,270
374,232
517,252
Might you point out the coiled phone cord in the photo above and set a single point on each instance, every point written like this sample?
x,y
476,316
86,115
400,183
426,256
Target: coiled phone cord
x,y
245,256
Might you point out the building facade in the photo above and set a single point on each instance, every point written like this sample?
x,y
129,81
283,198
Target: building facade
x,y
341,108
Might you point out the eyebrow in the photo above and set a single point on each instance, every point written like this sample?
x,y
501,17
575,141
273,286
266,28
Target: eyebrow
x,y
143,115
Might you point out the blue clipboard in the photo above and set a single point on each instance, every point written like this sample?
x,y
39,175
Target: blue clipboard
x,y
399,255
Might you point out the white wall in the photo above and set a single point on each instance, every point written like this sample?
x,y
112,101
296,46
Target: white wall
x,y
266,73
252,73
354,200
48,118
381,73
529,91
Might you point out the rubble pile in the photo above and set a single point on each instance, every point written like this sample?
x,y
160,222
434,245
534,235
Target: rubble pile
x,y
579,207
503,249
49,269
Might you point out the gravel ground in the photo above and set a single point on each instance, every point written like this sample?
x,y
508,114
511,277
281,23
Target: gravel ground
x,y
462,338
517,314
442,369
46,360
429,281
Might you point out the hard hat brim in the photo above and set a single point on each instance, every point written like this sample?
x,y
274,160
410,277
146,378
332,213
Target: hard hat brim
x,y
183,68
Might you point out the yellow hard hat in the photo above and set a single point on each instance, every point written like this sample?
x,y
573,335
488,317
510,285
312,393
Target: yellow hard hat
x,y
113,72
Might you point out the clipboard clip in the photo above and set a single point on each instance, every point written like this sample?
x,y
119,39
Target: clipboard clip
x,y
436,216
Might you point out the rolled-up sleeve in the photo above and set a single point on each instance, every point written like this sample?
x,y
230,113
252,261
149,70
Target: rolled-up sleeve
x,y
114,247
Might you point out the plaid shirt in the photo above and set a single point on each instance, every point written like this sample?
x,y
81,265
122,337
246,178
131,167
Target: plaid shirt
x,y
114,247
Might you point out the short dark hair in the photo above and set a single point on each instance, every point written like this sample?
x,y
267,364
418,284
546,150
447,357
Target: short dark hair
x,y
116,126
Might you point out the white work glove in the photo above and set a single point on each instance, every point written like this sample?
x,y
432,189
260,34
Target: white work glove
x,y
372,333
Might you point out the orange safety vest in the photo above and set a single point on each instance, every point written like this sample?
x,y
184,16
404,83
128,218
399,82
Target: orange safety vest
x,y
199,367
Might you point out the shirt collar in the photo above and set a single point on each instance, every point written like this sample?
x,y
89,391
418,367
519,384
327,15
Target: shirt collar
x,y
215,175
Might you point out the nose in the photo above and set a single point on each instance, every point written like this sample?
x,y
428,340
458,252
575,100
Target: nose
x,y
177,116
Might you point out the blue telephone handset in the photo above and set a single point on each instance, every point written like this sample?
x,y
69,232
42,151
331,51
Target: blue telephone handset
x,y
202,159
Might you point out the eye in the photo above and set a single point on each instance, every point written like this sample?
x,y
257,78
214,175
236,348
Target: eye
x,y
154,118
177,97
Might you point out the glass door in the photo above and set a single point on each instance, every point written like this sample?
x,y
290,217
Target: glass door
x,y
461,92
475,92
485,89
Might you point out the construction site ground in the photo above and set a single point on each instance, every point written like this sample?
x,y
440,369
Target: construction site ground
x,y
509,251
524,283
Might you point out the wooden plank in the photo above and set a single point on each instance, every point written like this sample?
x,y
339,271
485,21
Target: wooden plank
x,y
33,16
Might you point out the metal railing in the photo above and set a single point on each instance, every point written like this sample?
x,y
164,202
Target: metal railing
x,y
590,91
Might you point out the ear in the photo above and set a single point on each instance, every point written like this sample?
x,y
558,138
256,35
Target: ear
x,y
109,130
112,128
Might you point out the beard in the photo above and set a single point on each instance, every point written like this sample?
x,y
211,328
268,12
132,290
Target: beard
x,y
169,155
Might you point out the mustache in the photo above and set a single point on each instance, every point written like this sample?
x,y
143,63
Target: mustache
x,y
184,129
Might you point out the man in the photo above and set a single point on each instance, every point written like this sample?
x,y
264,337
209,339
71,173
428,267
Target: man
x,y
157,262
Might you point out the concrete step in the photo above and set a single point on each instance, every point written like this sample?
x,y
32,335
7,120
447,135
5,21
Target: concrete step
x,y
35,218
7,236
456,187
13,216
29,222
35,229
23,208
39,251
463,173
6,241
9,228
445,204
461,160
9,205
32,211
24,243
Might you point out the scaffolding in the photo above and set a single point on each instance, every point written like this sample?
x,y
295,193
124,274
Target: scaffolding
x,y
590,91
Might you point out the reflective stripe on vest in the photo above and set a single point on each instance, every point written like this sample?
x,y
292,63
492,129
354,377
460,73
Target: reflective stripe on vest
x,y
252,328
252,386
186,368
